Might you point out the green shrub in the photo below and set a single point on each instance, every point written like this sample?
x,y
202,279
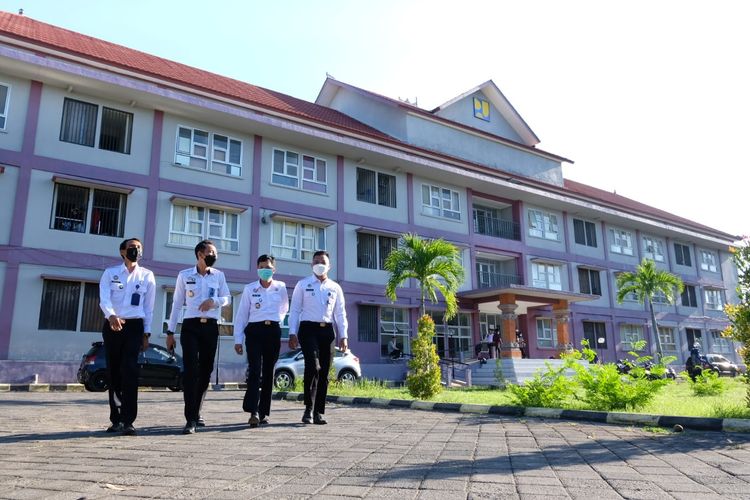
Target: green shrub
x,y
499,375
730,411
423,380
707,383
548,389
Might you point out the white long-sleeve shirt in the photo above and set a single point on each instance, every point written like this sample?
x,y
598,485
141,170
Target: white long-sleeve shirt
x,y
260,304
321,302
192,288
117,289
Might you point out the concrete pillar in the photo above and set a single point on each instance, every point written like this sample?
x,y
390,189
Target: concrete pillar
x,y
562,318
509,318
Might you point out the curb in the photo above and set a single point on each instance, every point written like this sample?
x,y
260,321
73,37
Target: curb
x,y
642,419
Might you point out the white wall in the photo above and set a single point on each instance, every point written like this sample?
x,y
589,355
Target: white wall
x,y
353,206
12,136
462,111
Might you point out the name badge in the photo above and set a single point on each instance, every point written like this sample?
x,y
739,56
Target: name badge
x,y
135,299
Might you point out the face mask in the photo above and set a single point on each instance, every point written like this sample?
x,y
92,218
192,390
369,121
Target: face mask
x,y
265,274
210,260
320,269
132,254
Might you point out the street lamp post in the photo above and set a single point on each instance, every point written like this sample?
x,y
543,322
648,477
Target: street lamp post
x,y
600,341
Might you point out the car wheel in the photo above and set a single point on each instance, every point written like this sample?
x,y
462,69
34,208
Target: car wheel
x,y
347,376
97,382
283,380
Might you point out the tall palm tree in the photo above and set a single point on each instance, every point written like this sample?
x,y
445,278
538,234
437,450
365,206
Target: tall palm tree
x,y
646,282
433,263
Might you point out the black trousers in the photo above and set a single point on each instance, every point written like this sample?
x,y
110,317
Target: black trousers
x,y
317,346
122,369
262,345
198,341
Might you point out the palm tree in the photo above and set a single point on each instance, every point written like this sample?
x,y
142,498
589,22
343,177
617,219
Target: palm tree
x,y
433,263
646,282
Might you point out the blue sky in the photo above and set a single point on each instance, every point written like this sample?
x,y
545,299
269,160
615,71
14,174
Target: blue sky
x,y
648,98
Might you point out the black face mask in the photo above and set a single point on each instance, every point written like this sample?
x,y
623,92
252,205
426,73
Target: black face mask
x,y
210,260
132,254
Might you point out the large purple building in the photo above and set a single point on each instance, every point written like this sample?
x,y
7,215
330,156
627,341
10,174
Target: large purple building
x,y
99,142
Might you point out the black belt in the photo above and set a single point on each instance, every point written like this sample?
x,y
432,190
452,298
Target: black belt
x,y
265,322
200,320
320,324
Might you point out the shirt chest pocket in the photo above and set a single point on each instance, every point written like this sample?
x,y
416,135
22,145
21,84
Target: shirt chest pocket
x,y
117,289
192,291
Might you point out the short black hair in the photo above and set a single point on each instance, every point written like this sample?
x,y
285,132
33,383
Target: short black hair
x,y
125,242
202,246
321,252
266,258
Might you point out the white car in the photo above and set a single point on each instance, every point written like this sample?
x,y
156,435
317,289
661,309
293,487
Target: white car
x,y
292,365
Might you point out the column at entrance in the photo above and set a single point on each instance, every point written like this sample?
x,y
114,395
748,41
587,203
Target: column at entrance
x,y
508,307
562,318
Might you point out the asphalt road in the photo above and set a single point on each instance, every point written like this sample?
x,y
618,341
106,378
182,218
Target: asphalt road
x,y
53,445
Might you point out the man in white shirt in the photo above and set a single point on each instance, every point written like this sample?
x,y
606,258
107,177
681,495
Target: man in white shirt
x,y
126,297
203,290
317,303
257,324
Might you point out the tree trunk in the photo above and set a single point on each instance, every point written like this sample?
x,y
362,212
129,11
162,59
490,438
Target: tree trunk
x,y
655,330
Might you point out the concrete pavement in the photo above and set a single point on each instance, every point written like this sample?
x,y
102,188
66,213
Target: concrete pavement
x,y
52,445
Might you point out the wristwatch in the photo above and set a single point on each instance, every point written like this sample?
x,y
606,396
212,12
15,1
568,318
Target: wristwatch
x,y
147,335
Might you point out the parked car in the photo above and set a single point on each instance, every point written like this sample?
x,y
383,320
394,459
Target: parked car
x,y
157,368
291,365
722,365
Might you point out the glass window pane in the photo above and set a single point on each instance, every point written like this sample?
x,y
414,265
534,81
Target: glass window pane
x,y
78,122
59,307
116,130
71,208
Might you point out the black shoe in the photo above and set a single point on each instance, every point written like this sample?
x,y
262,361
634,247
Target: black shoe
x,y
115,427
200,422
263,420
128,430
319,419
254,420
189,428
307,416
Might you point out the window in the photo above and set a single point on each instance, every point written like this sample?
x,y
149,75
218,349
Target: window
x,y
453,337
596,334
79,126
299,171
621,241
208,151
71,306
588,280
630,297
546,333
190,224
660,298
4,104
708,261
546,276
376,188
394,325
630,335
688,296
720,343
373,249
667,339
226,323
543,225
653,249
297,240
95,211
367,323
713,299
694,335
682,255
488,323
584,232
440,202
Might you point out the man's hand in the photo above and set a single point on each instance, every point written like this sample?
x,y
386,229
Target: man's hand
x,y
344,344
238,348
171,343
144,346
293,342
206,305
115,323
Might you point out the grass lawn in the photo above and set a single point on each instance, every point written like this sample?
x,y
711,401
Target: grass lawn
x,y
674,399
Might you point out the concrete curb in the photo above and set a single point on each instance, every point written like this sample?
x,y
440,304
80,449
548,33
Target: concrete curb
x,y
695,423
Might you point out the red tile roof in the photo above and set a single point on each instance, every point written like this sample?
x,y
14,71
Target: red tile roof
x,y
26,29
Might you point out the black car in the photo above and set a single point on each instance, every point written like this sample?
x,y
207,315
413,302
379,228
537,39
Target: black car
x,y
157,368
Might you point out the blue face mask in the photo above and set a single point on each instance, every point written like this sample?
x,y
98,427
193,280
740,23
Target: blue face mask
x,y
265,274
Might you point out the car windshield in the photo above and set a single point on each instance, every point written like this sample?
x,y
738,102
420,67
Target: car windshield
x,y
720,359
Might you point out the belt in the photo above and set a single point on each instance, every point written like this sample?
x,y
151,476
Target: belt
x,y
265,322
320,324
201,320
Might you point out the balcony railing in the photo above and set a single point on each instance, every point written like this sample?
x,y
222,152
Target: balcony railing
x,y
498,228
497,280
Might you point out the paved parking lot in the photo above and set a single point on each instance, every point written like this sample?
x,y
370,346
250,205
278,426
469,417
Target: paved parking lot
x,y
52,445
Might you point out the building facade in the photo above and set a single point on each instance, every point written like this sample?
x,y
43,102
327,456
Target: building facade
x,y
99,142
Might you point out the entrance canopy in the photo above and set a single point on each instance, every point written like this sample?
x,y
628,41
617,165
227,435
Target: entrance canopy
x,y
488,299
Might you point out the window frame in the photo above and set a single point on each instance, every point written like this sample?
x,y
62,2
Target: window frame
x,y
720,344
80,309
437,205
550,228
682,257
665,331
398,329
621,241
96,139
298,251
690,296
300,180
713,293
556,274
653,248
587,232
597,334
5,110
550,340
88,217
379,259
708,261
226,327
594,287
223,243
376,188
630,333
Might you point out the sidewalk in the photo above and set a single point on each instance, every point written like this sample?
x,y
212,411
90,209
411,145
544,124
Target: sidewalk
x,y
52,445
